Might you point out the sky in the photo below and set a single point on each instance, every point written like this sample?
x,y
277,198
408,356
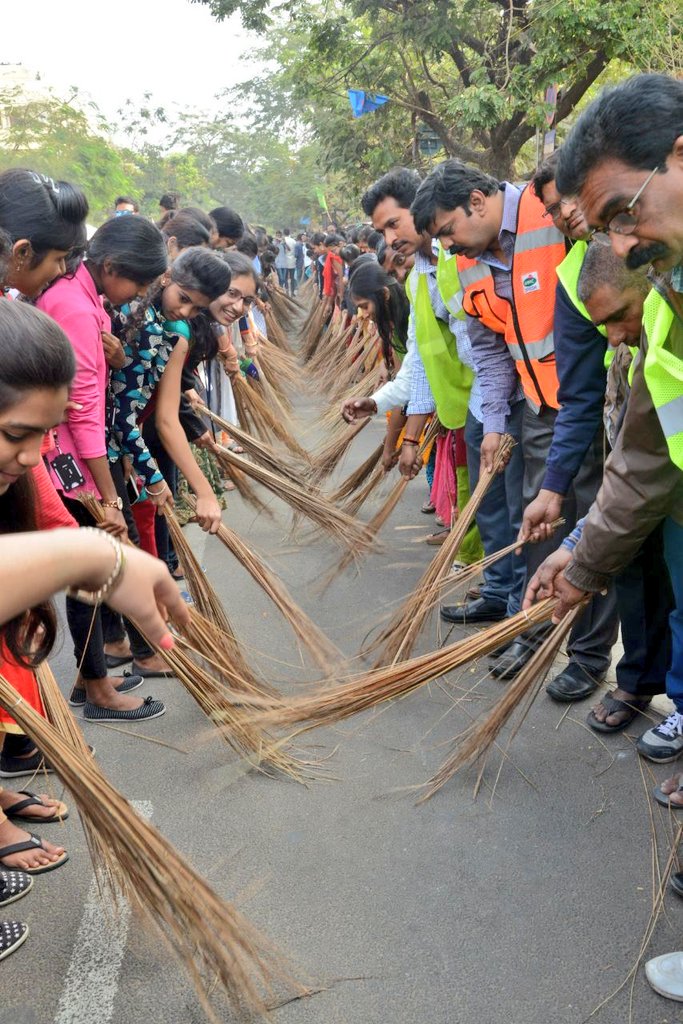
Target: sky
x,y
115,52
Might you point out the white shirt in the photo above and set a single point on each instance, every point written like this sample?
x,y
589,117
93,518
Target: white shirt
x,y
396,393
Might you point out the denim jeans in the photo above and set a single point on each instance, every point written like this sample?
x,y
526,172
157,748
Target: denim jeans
x,y
500,514
673,553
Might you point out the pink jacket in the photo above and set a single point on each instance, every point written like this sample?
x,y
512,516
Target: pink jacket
x,y
77,308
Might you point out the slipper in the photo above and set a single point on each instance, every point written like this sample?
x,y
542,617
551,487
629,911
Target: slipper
x,y
428,508
116,660
613,706
663,798
31,844
61,812
148,673
13,885
176,575
435,539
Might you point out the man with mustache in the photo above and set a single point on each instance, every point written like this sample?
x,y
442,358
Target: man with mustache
x,y
508,251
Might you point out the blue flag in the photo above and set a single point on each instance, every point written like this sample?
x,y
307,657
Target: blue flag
x,y
365,102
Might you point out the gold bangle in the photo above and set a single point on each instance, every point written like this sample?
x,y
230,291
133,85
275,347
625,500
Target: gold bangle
x,y
96,597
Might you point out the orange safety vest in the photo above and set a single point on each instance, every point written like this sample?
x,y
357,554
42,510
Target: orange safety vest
x,y
527,322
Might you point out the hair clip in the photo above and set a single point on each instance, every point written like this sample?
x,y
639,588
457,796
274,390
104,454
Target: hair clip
x,y
42,179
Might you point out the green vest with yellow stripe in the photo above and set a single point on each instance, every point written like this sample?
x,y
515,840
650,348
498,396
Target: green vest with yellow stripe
x,y
450,381
663,369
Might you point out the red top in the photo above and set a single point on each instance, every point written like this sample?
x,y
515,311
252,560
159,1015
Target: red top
x,y
329,274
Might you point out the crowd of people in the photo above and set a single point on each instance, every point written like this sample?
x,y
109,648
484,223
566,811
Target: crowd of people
x,y
550,310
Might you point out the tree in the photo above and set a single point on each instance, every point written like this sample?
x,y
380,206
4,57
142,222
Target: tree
x,y
473,72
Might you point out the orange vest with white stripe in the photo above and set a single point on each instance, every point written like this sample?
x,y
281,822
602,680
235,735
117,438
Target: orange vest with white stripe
x,y
527,322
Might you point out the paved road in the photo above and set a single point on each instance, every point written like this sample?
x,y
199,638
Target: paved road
x,y
525,910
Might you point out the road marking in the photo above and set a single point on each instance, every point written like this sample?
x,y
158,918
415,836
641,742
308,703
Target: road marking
x,y
92,978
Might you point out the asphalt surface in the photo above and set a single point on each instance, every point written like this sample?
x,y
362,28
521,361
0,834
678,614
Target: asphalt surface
x,y
527,906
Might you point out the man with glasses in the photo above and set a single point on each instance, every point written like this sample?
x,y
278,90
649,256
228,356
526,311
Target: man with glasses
x,y
508,252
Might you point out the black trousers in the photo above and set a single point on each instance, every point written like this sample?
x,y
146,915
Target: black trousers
x,y
90,627
167,468
645,600
595,631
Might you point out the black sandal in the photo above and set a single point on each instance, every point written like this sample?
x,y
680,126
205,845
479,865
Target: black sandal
x,y
614,706
32,800
33,843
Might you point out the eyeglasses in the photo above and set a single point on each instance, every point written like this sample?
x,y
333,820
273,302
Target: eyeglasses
x,y
626,221
236,296
553,210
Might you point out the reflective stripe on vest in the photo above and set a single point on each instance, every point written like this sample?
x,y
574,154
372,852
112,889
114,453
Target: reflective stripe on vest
x,y
450,381
448,281
527,322
663,372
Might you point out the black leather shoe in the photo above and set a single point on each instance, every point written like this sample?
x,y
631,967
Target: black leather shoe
x,y
575,682
513,660
482,609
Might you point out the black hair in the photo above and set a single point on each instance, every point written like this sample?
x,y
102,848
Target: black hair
x,y
267,260
400,184
50,214
186,230
349,253
5,255
544,174
239,265
170,200
636,123
133,246
203,218
35,353
247,245
332,240
228,223
447,187
601,266
373,239
127,199
203,270
368,281
317,238
381,252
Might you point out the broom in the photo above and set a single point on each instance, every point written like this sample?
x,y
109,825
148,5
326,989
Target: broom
x,y
400,635
332,343
280,409
245,490
358,477
280,367
58,714
257,449
329,705
275,333
202,593
363,388
321,649
209,936
328,455
356,501
272,382
342,528
254,413
476,742
311,332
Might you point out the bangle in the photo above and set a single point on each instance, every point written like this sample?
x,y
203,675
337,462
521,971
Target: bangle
x,y
155,494
411,440
96,597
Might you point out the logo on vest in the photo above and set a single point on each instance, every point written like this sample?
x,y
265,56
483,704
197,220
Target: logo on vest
x,y
530,282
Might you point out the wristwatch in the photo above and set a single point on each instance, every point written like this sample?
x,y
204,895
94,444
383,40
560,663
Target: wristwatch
x,y
117,503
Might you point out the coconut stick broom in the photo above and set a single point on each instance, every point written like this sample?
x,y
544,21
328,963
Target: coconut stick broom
x,y
257,449
255,413
271,381
329,455
279,407
400,635
213,941
246,490
358,477
320,510
329,705
280,367
357,500
275,333
202,593
320,648
476,742
311,332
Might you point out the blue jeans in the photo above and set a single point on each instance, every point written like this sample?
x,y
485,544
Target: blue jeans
x,y
673,555
500,514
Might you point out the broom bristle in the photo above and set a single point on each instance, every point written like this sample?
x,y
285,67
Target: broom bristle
x,y
336,524
327,457
209,936
358,477
202,593
401,634
252,410
320,648
478,740
328,705
245,490
257,449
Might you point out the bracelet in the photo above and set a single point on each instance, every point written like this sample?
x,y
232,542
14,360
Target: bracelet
x,y
96,597
155,494
411,440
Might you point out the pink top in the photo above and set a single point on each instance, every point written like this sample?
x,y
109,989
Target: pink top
x,y
77,308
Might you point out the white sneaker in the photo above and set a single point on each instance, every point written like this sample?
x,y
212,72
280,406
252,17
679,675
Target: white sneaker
x,y
664,742
665,974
